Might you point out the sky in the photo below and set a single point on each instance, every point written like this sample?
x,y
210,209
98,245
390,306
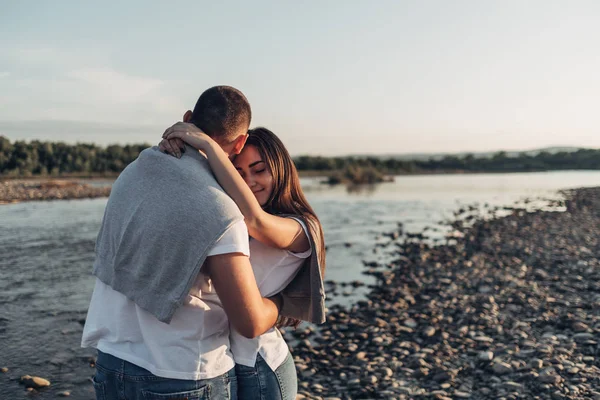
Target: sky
x,y
329,78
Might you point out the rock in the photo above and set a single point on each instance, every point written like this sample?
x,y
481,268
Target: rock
x,y
411,323
536,363
65,393
580,327
513,386
461,395
372,379
484,339
307,373
485,356
501,368
581,337
540,273
429,331
34,382
442,377
317,387
549,375
557,395
4,370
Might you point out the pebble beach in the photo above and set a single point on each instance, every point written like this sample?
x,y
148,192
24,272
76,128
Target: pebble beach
x,y
508,309
60,189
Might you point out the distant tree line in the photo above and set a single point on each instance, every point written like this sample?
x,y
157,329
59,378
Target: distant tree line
x,y
22,158
499,162
56,158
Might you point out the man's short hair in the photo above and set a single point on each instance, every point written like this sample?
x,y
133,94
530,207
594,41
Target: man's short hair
x,y
222,112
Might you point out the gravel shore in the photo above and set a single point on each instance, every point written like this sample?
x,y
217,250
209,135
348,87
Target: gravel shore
x,y
510,309
19,191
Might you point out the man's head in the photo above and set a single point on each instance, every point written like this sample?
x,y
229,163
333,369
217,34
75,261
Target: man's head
x,y
224,114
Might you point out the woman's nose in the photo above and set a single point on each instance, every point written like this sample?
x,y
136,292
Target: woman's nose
x,y
249,180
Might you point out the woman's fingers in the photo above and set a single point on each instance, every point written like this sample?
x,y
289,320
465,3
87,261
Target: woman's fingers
x,y
175,147
170,149
180,143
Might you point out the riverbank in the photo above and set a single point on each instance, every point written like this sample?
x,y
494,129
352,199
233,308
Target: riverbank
x,y
16,191
508,309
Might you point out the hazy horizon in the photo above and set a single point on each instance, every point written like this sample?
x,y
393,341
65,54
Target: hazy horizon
x,y
338,78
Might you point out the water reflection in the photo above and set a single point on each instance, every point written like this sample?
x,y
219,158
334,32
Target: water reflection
x,y
364,189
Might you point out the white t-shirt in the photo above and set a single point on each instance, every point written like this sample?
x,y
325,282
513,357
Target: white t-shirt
x,y
194,346
273,269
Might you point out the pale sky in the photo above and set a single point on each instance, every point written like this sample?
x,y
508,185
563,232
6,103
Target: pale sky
x,y
328,77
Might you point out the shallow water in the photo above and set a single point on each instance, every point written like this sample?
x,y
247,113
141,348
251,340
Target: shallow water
x,y
46,254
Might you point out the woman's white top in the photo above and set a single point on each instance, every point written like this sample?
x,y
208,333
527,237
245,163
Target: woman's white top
x,y
194,346
273,269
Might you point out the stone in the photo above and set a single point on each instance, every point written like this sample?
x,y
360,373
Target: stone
x,y
34,382
581,337
485,356
501,368
580,327
462,395
307,373
557,395
513,386
411,323
317,387
549,375
65,393
372,379
484,339
4,370
536,363
429,331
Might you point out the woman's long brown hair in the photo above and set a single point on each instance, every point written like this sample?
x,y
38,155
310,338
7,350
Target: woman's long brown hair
x,y
287,196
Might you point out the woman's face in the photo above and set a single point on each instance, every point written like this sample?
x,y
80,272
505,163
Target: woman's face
x,y
255,172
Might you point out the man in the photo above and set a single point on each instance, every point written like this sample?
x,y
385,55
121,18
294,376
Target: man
x,y
172,271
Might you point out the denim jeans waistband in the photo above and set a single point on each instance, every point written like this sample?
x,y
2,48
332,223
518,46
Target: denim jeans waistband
x,y
109,362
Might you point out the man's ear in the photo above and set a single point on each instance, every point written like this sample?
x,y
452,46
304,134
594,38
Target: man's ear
x,y
187,116
239,143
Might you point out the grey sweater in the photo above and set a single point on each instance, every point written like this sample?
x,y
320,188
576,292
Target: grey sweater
x,y
162,217
304,296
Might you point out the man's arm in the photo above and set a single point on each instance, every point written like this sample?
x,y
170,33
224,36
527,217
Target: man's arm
x,y
248,312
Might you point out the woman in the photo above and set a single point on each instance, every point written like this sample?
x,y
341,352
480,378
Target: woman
x,y
285,234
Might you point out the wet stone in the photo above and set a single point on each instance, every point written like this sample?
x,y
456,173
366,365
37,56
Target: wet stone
x,y
34,382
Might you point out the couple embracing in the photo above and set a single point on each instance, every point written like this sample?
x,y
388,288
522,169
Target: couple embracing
x,y
206,246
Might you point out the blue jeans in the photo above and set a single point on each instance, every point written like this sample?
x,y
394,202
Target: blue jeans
x,y
117,379
262,383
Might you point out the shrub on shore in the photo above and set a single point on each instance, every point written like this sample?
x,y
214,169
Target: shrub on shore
x,y
358,175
